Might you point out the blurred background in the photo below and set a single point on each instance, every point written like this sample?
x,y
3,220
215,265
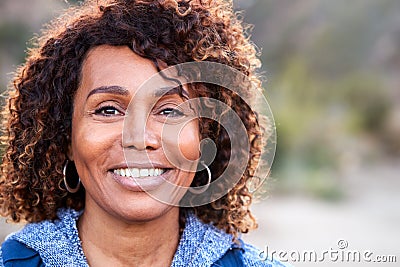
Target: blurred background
x,y
333,84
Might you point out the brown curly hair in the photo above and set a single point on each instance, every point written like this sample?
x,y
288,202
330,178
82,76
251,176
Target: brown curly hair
x,y
37,119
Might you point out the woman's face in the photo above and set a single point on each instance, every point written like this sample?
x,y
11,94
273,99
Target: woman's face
x,y
114,140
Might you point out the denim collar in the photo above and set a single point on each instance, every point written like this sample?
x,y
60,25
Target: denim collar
x,y
58,241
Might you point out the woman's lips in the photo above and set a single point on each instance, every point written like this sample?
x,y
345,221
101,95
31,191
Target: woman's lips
x,y
139,180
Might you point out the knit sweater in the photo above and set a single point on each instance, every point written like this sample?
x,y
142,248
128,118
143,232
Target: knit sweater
x,y
58,243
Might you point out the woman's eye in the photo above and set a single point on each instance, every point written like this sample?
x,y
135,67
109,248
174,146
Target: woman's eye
x,y
171,112
107,111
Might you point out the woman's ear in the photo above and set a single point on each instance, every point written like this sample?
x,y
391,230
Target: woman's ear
x,y
70,154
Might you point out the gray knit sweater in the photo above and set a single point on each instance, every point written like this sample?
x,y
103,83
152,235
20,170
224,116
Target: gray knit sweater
x,y
58,243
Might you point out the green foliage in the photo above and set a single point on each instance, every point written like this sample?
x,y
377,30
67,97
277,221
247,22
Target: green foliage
x,y
329,87
13,38
316,117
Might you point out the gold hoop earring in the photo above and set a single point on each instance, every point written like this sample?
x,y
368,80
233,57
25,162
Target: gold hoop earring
x,y
203,187
70,189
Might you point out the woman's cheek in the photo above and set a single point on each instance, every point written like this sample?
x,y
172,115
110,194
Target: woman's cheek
x,y
189,141
93,140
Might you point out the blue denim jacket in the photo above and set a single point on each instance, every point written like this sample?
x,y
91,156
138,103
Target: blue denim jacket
x,y
201,244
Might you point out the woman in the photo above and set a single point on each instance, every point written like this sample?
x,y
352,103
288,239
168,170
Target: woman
x,y
105,158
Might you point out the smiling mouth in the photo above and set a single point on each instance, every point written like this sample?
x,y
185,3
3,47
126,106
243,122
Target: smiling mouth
x,y
139,173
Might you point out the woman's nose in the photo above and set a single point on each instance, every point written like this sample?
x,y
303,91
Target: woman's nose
x,y
140,133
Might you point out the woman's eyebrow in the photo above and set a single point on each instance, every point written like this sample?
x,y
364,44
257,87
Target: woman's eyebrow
x,y
170,91
113,89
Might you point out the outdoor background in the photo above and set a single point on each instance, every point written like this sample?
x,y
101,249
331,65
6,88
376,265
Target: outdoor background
x,y
333,84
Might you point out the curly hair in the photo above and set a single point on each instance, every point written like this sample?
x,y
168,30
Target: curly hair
x,y
37,118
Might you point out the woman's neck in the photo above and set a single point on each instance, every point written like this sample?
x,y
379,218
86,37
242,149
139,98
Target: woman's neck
x,y
106,241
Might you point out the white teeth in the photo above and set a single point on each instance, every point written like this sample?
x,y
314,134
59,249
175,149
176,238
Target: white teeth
x,y
144,172
135,172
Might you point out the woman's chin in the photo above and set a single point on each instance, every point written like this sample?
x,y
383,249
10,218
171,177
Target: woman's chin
x,y
142,209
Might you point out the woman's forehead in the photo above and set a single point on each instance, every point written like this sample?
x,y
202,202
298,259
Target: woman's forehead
x,y
118,66
106,64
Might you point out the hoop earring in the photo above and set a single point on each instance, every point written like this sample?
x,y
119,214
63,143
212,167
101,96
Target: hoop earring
x,y
204,187
70,189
